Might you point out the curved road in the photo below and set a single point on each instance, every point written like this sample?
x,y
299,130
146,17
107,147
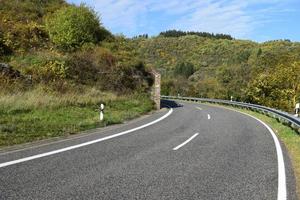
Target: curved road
x,y
192,151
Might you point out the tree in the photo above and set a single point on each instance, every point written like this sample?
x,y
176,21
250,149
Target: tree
x,y
179,33
71,27
279,88
184,69
289,79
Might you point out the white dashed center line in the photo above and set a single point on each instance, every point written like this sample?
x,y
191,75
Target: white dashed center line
x,y
187,141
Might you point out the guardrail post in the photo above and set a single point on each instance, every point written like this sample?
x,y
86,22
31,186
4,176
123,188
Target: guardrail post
x,y
297,108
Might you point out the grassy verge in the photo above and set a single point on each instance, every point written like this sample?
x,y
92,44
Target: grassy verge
x,y
36,115
288,136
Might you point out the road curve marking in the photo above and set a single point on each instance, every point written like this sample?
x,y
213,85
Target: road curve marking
x,y
13,162
282,193
184,143
199,108
208,116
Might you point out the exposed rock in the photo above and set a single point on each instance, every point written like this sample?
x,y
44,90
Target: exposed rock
x,y
8,71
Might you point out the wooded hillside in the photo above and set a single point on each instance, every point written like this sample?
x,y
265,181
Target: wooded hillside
x,y
265,73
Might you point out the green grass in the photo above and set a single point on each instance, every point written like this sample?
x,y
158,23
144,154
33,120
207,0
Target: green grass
x,y
288,136
36,115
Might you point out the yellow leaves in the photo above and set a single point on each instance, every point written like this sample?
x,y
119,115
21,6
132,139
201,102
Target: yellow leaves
x,y
57,68
21,36
278,88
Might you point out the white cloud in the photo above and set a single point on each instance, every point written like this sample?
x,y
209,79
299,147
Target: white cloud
x,y
119,13
222,17
236,17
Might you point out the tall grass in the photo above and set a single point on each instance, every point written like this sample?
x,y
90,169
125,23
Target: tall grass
x,y
38,114
38,98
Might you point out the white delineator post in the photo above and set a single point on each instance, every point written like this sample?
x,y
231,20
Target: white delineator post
x,y
101,112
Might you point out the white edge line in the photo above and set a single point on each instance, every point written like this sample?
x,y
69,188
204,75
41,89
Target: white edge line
x,y
184,143
83,144
282,193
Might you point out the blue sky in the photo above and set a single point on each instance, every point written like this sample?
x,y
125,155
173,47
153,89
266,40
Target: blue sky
x,y
258,20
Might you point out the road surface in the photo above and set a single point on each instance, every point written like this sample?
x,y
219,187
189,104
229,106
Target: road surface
x,y
189,151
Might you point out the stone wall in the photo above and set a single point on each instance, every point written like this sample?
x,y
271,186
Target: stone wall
x,y
156,89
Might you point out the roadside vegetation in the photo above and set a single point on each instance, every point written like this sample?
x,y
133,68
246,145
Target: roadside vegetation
x,y
35,115
57,65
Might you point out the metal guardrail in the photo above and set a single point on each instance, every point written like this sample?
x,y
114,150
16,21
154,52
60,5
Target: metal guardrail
x,y
281,116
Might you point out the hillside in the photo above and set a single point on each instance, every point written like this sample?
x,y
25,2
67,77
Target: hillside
x,y
246,70
55,71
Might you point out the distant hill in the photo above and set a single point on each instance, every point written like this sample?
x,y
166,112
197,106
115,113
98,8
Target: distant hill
x,y
178,33
222,67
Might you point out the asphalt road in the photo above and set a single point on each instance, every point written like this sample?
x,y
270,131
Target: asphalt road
x,y
195,152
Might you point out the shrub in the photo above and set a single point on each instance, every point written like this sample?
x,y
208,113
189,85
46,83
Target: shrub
x,y
4,49
91,65
71,27
22,36
100,67
44,66
184,69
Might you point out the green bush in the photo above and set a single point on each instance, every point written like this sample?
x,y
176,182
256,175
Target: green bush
x,y
71,27
20,37
43,67
184,69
